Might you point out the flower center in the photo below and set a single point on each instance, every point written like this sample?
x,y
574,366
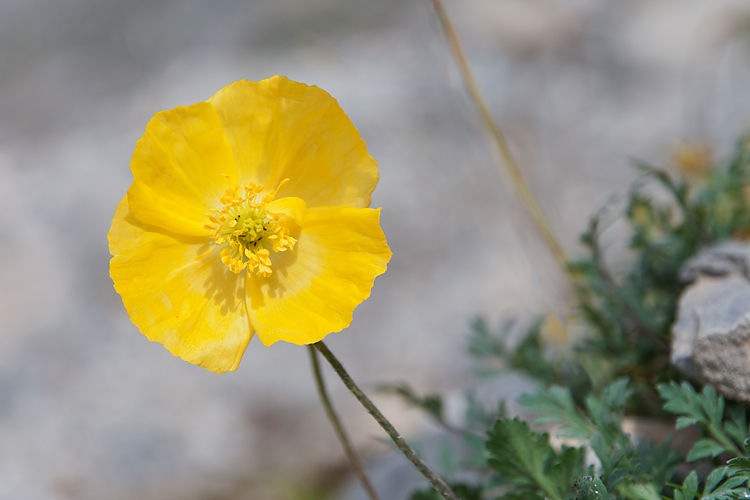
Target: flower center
x,y
247,230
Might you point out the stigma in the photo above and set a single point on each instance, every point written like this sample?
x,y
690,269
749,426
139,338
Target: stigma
x,y
247,230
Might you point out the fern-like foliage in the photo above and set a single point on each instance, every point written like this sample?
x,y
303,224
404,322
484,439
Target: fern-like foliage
x,y
621,366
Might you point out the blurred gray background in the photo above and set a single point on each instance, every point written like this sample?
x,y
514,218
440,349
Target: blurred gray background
x,y
89,409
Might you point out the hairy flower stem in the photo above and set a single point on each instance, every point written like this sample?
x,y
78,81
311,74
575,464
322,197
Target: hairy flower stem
x,y
351,455
438,484
476,97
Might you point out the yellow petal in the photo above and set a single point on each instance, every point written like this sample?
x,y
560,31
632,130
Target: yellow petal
x,y
289,206
177,166
314,288
282,129
177,292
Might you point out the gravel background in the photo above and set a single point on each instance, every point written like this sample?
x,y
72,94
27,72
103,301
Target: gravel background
x,y
89,409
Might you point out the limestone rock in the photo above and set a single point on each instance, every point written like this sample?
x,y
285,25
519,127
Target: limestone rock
x,y
727,258
711,336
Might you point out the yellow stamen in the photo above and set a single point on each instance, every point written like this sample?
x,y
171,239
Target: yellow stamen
x,y
247,229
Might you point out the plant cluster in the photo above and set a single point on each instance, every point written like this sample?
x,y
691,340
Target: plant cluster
x,y
620,368
601,461
628,316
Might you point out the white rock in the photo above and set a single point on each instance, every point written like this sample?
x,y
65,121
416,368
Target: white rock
x,y
711,336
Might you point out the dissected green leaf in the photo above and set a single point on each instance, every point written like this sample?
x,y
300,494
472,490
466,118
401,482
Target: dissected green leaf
x,y
689,488
716,489
682,400
615,477
569,464
588,488
705,448
602,450
638,491
614,464
482,343
607,423
617,394
713,479
657,461
432,404
555,405
736,427
515,451
683,422
475,444
529,356
741,463
521,455
706,409
466,492
712,403
478,416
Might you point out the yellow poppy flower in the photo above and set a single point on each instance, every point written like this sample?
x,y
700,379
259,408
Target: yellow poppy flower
x,y
247,215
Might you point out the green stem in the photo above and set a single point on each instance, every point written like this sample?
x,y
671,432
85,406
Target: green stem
x,y
346,444
438,484
723,439
683,489
547,486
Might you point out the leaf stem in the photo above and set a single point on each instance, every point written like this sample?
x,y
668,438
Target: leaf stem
x,y
547,486
723,439
438,484
476,97
683,489
351,455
